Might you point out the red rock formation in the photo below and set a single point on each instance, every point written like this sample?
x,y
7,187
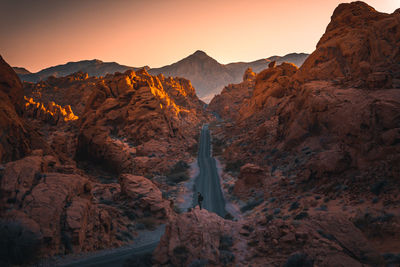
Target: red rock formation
x,y
134,120
193,236
144,196
139,110
58,206
72,90
14,140
342,128
360,48
329,128
202,237
251,177
50,113
233,96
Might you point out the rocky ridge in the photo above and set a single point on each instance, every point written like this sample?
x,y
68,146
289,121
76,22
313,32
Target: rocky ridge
x,y
323,137
54,187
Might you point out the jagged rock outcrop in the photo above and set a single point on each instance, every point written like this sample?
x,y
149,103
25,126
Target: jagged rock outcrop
x,y
69,211
323,239
329,128
72,90
58,206
207,75
194,236
14,139
136,114
227,103
144,196
340,126
251,177
359,48
50,113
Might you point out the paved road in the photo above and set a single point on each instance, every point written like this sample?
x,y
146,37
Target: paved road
x,y
114,259
147,242
207,183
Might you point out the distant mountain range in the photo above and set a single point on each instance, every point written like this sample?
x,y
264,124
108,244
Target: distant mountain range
x,y
207,75
92,67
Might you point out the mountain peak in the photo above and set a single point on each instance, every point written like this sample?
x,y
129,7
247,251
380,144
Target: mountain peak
x,y
199,52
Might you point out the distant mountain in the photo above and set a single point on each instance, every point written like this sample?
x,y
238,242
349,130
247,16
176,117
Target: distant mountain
x,y
207,75
93,67
21,71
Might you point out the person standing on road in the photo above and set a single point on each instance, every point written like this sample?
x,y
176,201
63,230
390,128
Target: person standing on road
x,y
199,199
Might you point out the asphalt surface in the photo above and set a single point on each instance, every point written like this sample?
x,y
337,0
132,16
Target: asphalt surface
x,y
114,259
207,183
146,243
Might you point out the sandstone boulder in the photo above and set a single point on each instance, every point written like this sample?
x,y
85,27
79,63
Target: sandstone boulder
x,y
144,196
192,237
251,177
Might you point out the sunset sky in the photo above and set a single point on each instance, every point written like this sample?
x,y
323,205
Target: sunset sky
x,y
36,34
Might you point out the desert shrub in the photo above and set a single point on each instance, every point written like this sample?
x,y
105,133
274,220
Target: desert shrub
x,y
251,204
376,225
18,245
377,187
233,166
106,202
141,260
322,208
229,216
177,209
149,223
127,235
193,149
325,235
178,173
295,205
391,259
218,146
299,260
225,242
199,263
301,216
226,257
277,211
128,213
181,253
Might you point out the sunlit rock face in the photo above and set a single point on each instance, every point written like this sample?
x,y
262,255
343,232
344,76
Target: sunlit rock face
x,y
156,115
125,119
51,112
335,115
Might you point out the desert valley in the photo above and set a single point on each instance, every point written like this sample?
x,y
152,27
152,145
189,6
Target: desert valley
x,y
297,157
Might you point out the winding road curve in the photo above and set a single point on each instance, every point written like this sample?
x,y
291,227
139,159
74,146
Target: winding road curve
x,y
207,183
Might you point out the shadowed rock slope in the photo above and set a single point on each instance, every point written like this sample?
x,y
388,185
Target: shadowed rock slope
x,y
324,137
74,153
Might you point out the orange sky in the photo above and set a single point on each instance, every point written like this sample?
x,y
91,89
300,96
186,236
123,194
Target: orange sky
x,y
42,33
